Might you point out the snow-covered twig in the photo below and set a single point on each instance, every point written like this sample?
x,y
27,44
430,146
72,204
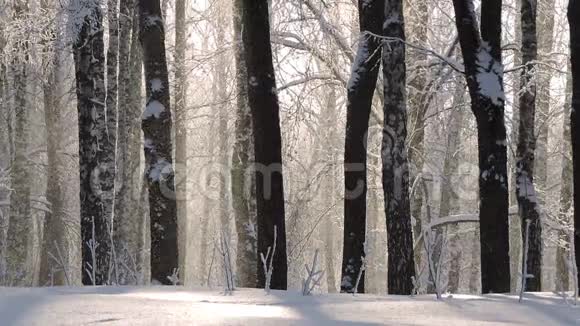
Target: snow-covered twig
x,y
314,276
525,275
268,266
363,266
174,277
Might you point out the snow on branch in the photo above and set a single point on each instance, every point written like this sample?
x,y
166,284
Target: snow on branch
x,y
449,61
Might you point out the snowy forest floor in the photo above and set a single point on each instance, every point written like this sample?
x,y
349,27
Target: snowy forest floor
x,y
181,306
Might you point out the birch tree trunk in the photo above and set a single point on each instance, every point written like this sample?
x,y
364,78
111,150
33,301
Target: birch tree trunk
x,y
401,263
263,102
158,148
525,190
96,151
360,89
484,75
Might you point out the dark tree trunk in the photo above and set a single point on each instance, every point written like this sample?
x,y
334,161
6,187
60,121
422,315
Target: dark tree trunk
x,y
360,91
112,70
484,74
573,14
401,264
96,151
241,186
526,194
158,147
263,102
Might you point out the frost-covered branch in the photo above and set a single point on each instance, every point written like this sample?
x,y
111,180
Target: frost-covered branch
x,y
268,265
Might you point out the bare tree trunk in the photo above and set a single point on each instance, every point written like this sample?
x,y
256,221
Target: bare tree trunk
x,y
544,119
220,93
54,224
484,74
96,198
401,263
360,91
181,130
20,219
330,141
573,14
112,71
5,160
526,194
158,147
515,231
417,22
247,258
449,197
562,272
129,202
181,133
263,102
545,39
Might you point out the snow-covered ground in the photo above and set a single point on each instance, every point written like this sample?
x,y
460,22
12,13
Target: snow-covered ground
x,y
180,306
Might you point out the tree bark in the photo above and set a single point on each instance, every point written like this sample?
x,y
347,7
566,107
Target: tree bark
x,y
545,40
525,190
96,151
245,221
449,197
181,134
401,264
263,102
418,22
158,148
112,71
360,91
573,14
54,223
484,75
562,271
20,221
